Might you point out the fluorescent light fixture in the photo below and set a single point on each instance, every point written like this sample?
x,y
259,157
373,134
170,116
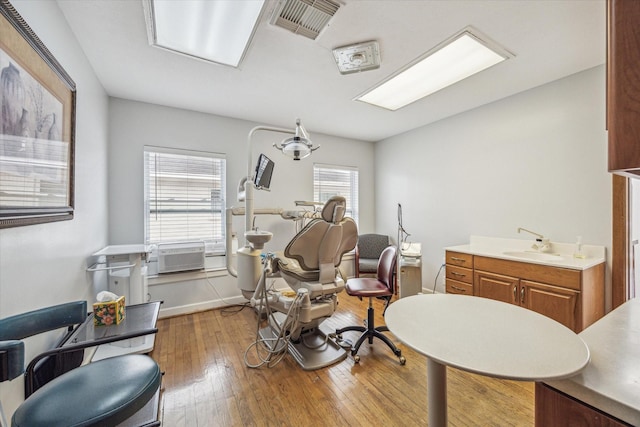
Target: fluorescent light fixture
x,y
217,31
461,56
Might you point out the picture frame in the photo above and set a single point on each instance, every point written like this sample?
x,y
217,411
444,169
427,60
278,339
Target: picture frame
x,y
37,128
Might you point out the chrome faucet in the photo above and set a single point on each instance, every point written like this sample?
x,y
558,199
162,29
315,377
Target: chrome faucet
x,y
541,244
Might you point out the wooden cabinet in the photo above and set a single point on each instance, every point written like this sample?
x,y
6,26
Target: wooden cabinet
x,y
574,298
558,303
623,86
459,273
554,408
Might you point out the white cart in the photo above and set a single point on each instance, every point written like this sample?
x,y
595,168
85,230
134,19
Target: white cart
x,y
126,276
410,277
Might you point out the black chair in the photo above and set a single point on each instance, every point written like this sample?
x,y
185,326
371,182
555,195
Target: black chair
x,y
104,393
380,287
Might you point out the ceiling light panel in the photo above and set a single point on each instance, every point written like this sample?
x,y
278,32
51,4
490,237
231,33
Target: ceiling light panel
x,y
460,57
218,31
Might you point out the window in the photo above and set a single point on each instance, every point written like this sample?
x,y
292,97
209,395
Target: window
x,y
329,181
184,195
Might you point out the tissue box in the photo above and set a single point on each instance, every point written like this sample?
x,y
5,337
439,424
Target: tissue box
x,y
108,313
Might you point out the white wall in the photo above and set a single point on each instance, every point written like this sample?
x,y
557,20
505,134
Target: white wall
x,y
535,160
45,264
134,125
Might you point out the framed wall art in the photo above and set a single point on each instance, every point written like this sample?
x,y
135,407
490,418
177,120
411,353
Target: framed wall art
x,y
37,128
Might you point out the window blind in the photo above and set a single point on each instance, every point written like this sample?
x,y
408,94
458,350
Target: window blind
x,y
329,181
185,197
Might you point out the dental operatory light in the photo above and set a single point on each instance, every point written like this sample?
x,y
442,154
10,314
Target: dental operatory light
x,y
457,58
299,145
218,31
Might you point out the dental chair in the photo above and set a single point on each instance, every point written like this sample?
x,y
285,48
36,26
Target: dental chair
x,y
310,268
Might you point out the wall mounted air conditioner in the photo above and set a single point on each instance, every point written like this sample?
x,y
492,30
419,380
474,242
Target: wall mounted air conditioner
x,y
185,256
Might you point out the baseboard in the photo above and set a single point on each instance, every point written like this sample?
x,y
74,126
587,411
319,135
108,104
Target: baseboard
x,y
201,306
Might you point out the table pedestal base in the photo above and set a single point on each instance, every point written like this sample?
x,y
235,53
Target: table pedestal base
x,y
436,393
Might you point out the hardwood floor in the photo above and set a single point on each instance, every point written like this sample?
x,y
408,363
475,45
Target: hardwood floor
x,y
206,382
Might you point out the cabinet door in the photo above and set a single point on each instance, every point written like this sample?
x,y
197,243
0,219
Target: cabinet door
x,y
623,90
560,304
496,286
554,408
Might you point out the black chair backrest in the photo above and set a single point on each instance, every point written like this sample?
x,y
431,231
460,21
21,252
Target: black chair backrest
x,y
387,266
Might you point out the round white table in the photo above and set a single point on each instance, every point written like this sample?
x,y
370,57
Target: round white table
x,y
485,337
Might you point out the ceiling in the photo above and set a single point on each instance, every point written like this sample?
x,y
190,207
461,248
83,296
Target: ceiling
x,y
284,75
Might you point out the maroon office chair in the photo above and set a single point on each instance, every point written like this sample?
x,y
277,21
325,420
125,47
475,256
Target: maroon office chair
x,y
380,287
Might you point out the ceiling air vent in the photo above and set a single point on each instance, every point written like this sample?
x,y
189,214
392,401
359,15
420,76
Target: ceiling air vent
x,y
304,17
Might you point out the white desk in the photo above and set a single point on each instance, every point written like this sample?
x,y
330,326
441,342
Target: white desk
x,y
485,337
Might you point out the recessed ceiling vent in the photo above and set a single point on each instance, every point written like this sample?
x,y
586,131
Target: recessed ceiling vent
x,y
305,17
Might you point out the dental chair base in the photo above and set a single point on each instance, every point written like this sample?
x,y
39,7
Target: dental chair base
x,y
312,350
309,345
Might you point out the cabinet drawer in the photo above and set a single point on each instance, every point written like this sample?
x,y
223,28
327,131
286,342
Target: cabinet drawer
x,y
459,259
455,287
460,274
558,276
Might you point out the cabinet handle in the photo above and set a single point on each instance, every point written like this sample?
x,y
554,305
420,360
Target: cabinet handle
x,y
522,291
453,258
458,289
515,293
453,273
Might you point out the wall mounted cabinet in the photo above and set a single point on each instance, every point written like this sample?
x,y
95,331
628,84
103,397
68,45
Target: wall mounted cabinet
x,y
623,86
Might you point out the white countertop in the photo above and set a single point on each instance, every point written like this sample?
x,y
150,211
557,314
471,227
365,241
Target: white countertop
x,y
502,340
123,250
611,382
496,247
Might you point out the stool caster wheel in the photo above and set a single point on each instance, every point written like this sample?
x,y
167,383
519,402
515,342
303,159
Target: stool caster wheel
x,y
403,360
356,358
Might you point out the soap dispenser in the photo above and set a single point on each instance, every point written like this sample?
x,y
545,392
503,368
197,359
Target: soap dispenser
x,y
578,253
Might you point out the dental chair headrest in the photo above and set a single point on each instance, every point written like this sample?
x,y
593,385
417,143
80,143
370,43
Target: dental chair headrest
x,y
334,209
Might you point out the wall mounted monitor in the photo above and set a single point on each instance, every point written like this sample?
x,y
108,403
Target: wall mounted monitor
x,y
264,170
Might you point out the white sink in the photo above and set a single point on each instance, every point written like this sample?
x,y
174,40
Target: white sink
x,y
258,238
533,255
